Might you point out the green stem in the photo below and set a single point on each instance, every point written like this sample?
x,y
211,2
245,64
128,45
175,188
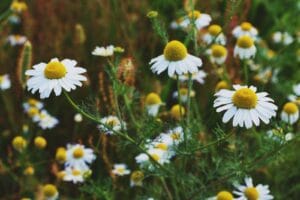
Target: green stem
x,y
127,104
245,71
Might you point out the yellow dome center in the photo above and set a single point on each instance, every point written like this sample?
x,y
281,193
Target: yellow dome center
x,y
40,142
19,143
175,111
76,172
244,98
137,176
162,146
78,153
246,26
183,91
175,136
61,154
155,157
32,102
33,111
50,190
55,70
175,51
245,41
194,14
224,195
290,108
152,99
214,30
222,85
218,51
121,170
251,193
112,122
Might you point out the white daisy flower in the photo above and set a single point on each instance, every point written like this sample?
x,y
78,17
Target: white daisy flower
x,y
55,76
104,51
290,113
111,124
79,157
120,170
176,60
32,103
245,28
296,89
15,40
78,117
158,155
201,20
289,136
153,103
176,23
73,174
244,48
197,76
4,82
50,192
223,195
251,192
47,121
183,94
245,106
284,38
218,54
214,35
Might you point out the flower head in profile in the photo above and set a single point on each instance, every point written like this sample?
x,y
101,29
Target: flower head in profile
x,y
110,124
136,178
104,51
251,192
197,76
177,111
18,6
183,94
244,48
290,113
245,106
176,60
245,28
214,35
15,40
120,170
201,20
153,103
55,76
4,82
50,192
218,54
222,195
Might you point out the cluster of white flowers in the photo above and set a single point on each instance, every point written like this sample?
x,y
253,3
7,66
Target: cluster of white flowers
x,y
282,38
110,124
34,109
161,149
15,40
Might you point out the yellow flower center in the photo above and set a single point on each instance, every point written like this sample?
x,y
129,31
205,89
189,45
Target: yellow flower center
x,y
245,41
137,176
61,174
155,157
244,98
162,146
183,91
33,111
251,193
175,51
1,78
218,51
121,170
50,190
78,153
112,122
224,195
76,172
19,143
152,99
214,30
61,154
32,102
175,136
246,26
29,171
194,14
18,6
55,70
222,85
177,111
290,108
40,142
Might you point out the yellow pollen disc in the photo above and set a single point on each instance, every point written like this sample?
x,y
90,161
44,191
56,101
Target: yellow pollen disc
x,y
137,176
32,102
251,193
61,174
40,142
290,108
183,91
162,146
222,85
19,143
121,170
194,14
155,157
112,122
49,190
176,110
175,51
78,153
55,70
245,41
244,98
179,20
61,154
76,172
152,99
175,136
218,51
33,111
224,195
246,26
214,30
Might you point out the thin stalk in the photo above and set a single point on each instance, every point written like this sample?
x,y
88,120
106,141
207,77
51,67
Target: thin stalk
x,y
245,71
169,194
126,100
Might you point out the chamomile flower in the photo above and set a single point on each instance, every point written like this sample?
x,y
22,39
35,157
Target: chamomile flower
x,y
19,143
201,20
120,170
282,37
46,121
245,28
136,178
176,23
251,192
296,89
197,76
177,111
55,76
4,82
222,85
244,48
153,103
156,154
74,175
104,51
18,6
183,94
111,124
172,137
245,106
50,192
61,155
223,195
218,54
214,35
32,103
77,156
290,113
78,117
15,40
176,60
